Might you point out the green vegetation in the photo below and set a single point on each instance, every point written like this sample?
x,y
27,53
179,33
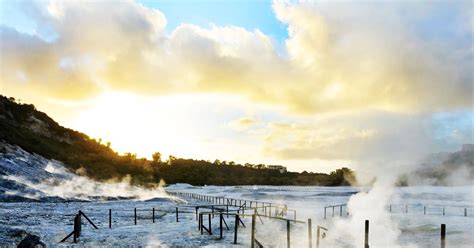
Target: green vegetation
x,y
34,131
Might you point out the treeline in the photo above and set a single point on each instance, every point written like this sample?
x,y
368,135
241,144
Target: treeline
x,y
35,132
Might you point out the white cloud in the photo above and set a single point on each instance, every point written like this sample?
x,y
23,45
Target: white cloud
x,y
342,57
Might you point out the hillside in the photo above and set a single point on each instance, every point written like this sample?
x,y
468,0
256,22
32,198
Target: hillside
x,y
35,132
443,169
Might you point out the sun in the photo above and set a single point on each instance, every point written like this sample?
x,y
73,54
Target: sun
x,y
134,123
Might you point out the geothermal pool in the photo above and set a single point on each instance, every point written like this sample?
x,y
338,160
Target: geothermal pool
x,y
406,225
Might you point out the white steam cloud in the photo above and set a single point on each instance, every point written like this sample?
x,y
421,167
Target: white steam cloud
x,y
67,185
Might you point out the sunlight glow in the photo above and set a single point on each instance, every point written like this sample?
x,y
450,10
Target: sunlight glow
x,y
137,124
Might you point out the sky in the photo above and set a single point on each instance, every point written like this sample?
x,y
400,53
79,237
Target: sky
x,y
309,85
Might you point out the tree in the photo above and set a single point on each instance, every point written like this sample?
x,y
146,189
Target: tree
x,y
259,166
131,156
156,157
217,162
171,159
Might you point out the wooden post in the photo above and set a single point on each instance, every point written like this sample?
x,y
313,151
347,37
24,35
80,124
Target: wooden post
x,y
318,233
333,211
252,239
424,210
135,215
366,241
288,233
153,215
74,236
220,225
310,234
110,218
212,207
77,227
177,217
443,235
340,210
465,212
443,211
210,224
197,208
236,227
200,224
324,212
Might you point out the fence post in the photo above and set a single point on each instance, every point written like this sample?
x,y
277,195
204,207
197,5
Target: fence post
x,y
443,235
197,208
317,236
310,234
200,223
177,217
465,212
77,227
236,226
210,224
153,215
340,210
135,215
288,234
366,241
443,211
220,225
110,218
424,210
324,212
252,240
333,211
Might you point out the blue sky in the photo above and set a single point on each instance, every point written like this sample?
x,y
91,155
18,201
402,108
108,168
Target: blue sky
x,y
250,15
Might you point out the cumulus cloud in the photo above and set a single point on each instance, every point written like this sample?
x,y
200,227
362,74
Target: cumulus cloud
x,y
243,123
371,55
340,57
370,135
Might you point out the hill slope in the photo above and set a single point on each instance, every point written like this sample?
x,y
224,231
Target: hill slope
x,y
36,132
445,169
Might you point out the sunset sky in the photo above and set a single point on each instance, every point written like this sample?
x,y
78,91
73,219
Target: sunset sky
x,y
310,85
